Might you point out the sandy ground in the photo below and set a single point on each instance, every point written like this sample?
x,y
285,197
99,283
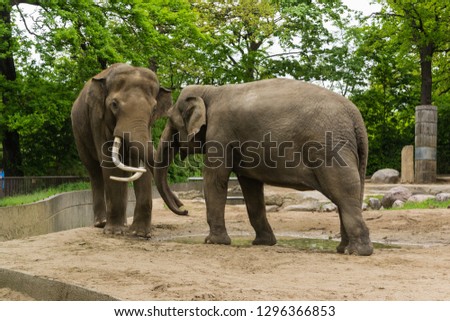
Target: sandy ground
x,y
163,268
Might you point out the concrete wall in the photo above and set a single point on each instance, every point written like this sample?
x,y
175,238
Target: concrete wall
x,y
62,212
43,289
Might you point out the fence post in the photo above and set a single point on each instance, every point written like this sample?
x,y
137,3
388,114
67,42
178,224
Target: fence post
x,y
2,183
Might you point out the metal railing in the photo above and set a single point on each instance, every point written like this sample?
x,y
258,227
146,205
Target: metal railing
x,y
10,186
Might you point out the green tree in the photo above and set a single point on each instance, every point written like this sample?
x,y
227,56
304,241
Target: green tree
x,y
419,29
242,36
388,103
239,35
65,43
386,90
12,158
313,37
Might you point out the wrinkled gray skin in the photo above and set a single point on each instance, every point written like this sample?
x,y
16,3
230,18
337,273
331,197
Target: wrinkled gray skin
x,y
121,101
293,112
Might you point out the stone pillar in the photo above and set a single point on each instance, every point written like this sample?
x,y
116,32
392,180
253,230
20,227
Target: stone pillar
x,y
426,143
407,165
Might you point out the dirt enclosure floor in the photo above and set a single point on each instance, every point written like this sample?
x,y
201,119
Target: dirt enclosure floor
x,y
167,267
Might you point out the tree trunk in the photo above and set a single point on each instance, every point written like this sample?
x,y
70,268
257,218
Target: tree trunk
x,y
426,55
426,122
7,67
12,159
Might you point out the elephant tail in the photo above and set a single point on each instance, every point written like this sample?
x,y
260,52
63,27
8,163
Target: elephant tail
x,y
363,152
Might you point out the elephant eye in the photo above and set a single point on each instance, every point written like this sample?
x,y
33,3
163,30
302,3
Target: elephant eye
x,y
114,105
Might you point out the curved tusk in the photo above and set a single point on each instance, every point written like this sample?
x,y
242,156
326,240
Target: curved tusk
x,y
127,179
118,163
138,171
134,177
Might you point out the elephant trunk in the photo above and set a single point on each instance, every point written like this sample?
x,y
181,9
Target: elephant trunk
x,y
164,157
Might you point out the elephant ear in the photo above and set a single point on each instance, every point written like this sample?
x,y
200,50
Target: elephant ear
x,y
164,102
97,92
194,116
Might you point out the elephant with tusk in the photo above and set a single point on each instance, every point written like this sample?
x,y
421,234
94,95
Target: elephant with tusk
x,y
281,132
138,171
111,120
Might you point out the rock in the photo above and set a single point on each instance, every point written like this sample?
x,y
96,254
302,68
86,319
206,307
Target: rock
x,y
235,191
374,203
328,207
397,193
398,204
418,198
272,208
274,199
443,197
386,176
199,200
235,200
189,195
305,207
295,198
365,207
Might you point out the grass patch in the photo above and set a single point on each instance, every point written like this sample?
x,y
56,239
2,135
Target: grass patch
x,y
379,196
310,245
43,194
431,203
321,245
428,204
301,244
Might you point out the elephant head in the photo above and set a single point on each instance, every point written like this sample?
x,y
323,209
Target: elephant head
x,y
184,134
127,100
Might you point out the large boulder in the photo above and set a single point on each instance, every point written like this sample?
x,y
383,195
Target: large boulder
x,y
308,206
272,208
419,198
386,176
398,204
397,193
328,207
443,197
374,203
274,199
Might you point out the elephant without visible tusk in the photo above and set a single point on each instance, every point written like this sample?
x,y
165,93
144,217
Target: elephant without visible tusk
x,y
138,171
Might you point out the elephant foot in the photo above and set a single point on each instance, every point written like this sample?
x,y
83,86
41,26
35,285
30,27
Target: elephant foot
x,y
114,229
140,230
218,239
100,223
356,248
268,239
341,247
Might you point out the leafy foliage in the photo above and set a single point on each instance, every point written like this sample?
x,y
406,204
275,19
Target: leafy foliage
x,y
61,45
49,49
388,104
407,48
